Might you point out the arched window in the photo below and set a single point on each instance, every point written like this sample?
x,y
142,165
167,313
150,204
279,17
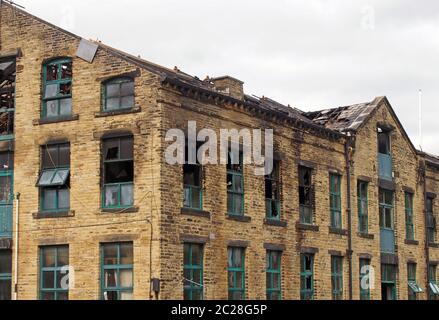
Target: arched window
x,y
57,88
118,94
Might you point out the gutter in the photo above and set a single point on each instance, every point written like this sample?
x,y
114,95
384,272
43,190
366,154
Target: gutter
x,y
349,211
427,248
17,206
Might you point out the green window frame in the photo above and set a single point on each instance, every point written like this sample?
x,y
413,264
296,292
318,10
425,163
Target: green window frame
x,y
386,204
413,287
54,262
273,274
272,193
364,272
306,276
57,88
335,200
389,276
363,206
431,220
306,196
5,274
193,271
433,288
118,173
117,274
192,183
409,225
118,94
236,273
54,180
235,184
337,277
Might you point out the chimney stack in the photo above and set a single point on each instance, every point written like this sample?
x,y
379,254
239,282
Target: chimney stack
x,y
229,86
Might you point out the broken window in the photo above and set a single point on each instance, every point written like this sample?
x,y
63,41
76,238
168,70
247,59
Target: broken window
x,y
192,184
337,277
409,225
118,172
363,207
193,271
431,220
57,89
54,180
386,209
272,193
54,261
306,276
118,94
273,273
5,274
413,287
236,273
235,183
7,96
117,271
433,287
335,200
305,195
383,142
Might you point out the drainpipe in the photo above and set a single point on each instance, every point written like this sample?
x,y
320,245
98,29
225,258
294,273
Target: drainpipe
x,y
349,209
17,205
427,249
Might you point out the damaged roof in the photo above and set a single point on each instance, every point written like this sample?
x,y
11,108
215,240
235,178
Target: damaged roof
x,y
347,118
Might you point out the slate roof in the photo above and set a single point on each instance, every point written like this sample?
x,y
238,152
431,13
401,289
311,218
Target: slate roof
x,y
347,118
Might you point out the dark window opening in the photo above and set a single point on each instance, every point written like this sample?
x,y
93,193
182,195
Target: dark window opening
x,y
7,96
192,183
235,184
383,142
118,174
272,192
431,220
305,195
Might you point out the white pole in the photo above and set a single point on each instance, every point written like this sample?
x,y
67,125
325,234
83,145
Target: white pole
x,y
420,119
16,247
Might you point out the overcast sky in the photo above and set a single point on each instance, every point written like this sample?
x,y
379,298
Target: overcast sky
x,y
312,54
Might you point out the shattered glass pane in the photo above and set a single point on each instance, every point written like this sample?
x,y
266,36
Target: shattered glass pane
x,y
119,172
111,149
6,161
66,70
51,72
65,89
111,278
111,194
5,189
51,91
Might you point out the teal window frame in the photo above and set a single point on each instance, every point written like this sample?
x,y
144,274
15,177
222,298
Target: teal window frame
x,y
58,82
272,193
57,271
118,185
337,277
235,172
432,279
192,270
235,271
389,276
363,206
409,225
306,276
386,206
364,293
192,183
6,275
117,267
335,201
431,221
120,81
306,195
57,171
413,287
273,273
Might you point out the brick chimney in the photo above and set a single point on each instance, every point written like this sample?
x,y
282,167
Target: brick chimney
x,y
229,86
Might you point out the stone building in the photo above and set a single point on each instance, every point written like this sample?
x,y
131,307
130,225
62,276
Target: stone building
x,y
86,191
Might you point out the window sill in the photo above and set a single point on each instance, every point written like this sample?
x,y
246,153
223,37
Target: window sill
x,y
341,232
366,235
195,212
433,245
275,223
103,114
238,218
53,215
120,210
411,242
308,227
39,122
